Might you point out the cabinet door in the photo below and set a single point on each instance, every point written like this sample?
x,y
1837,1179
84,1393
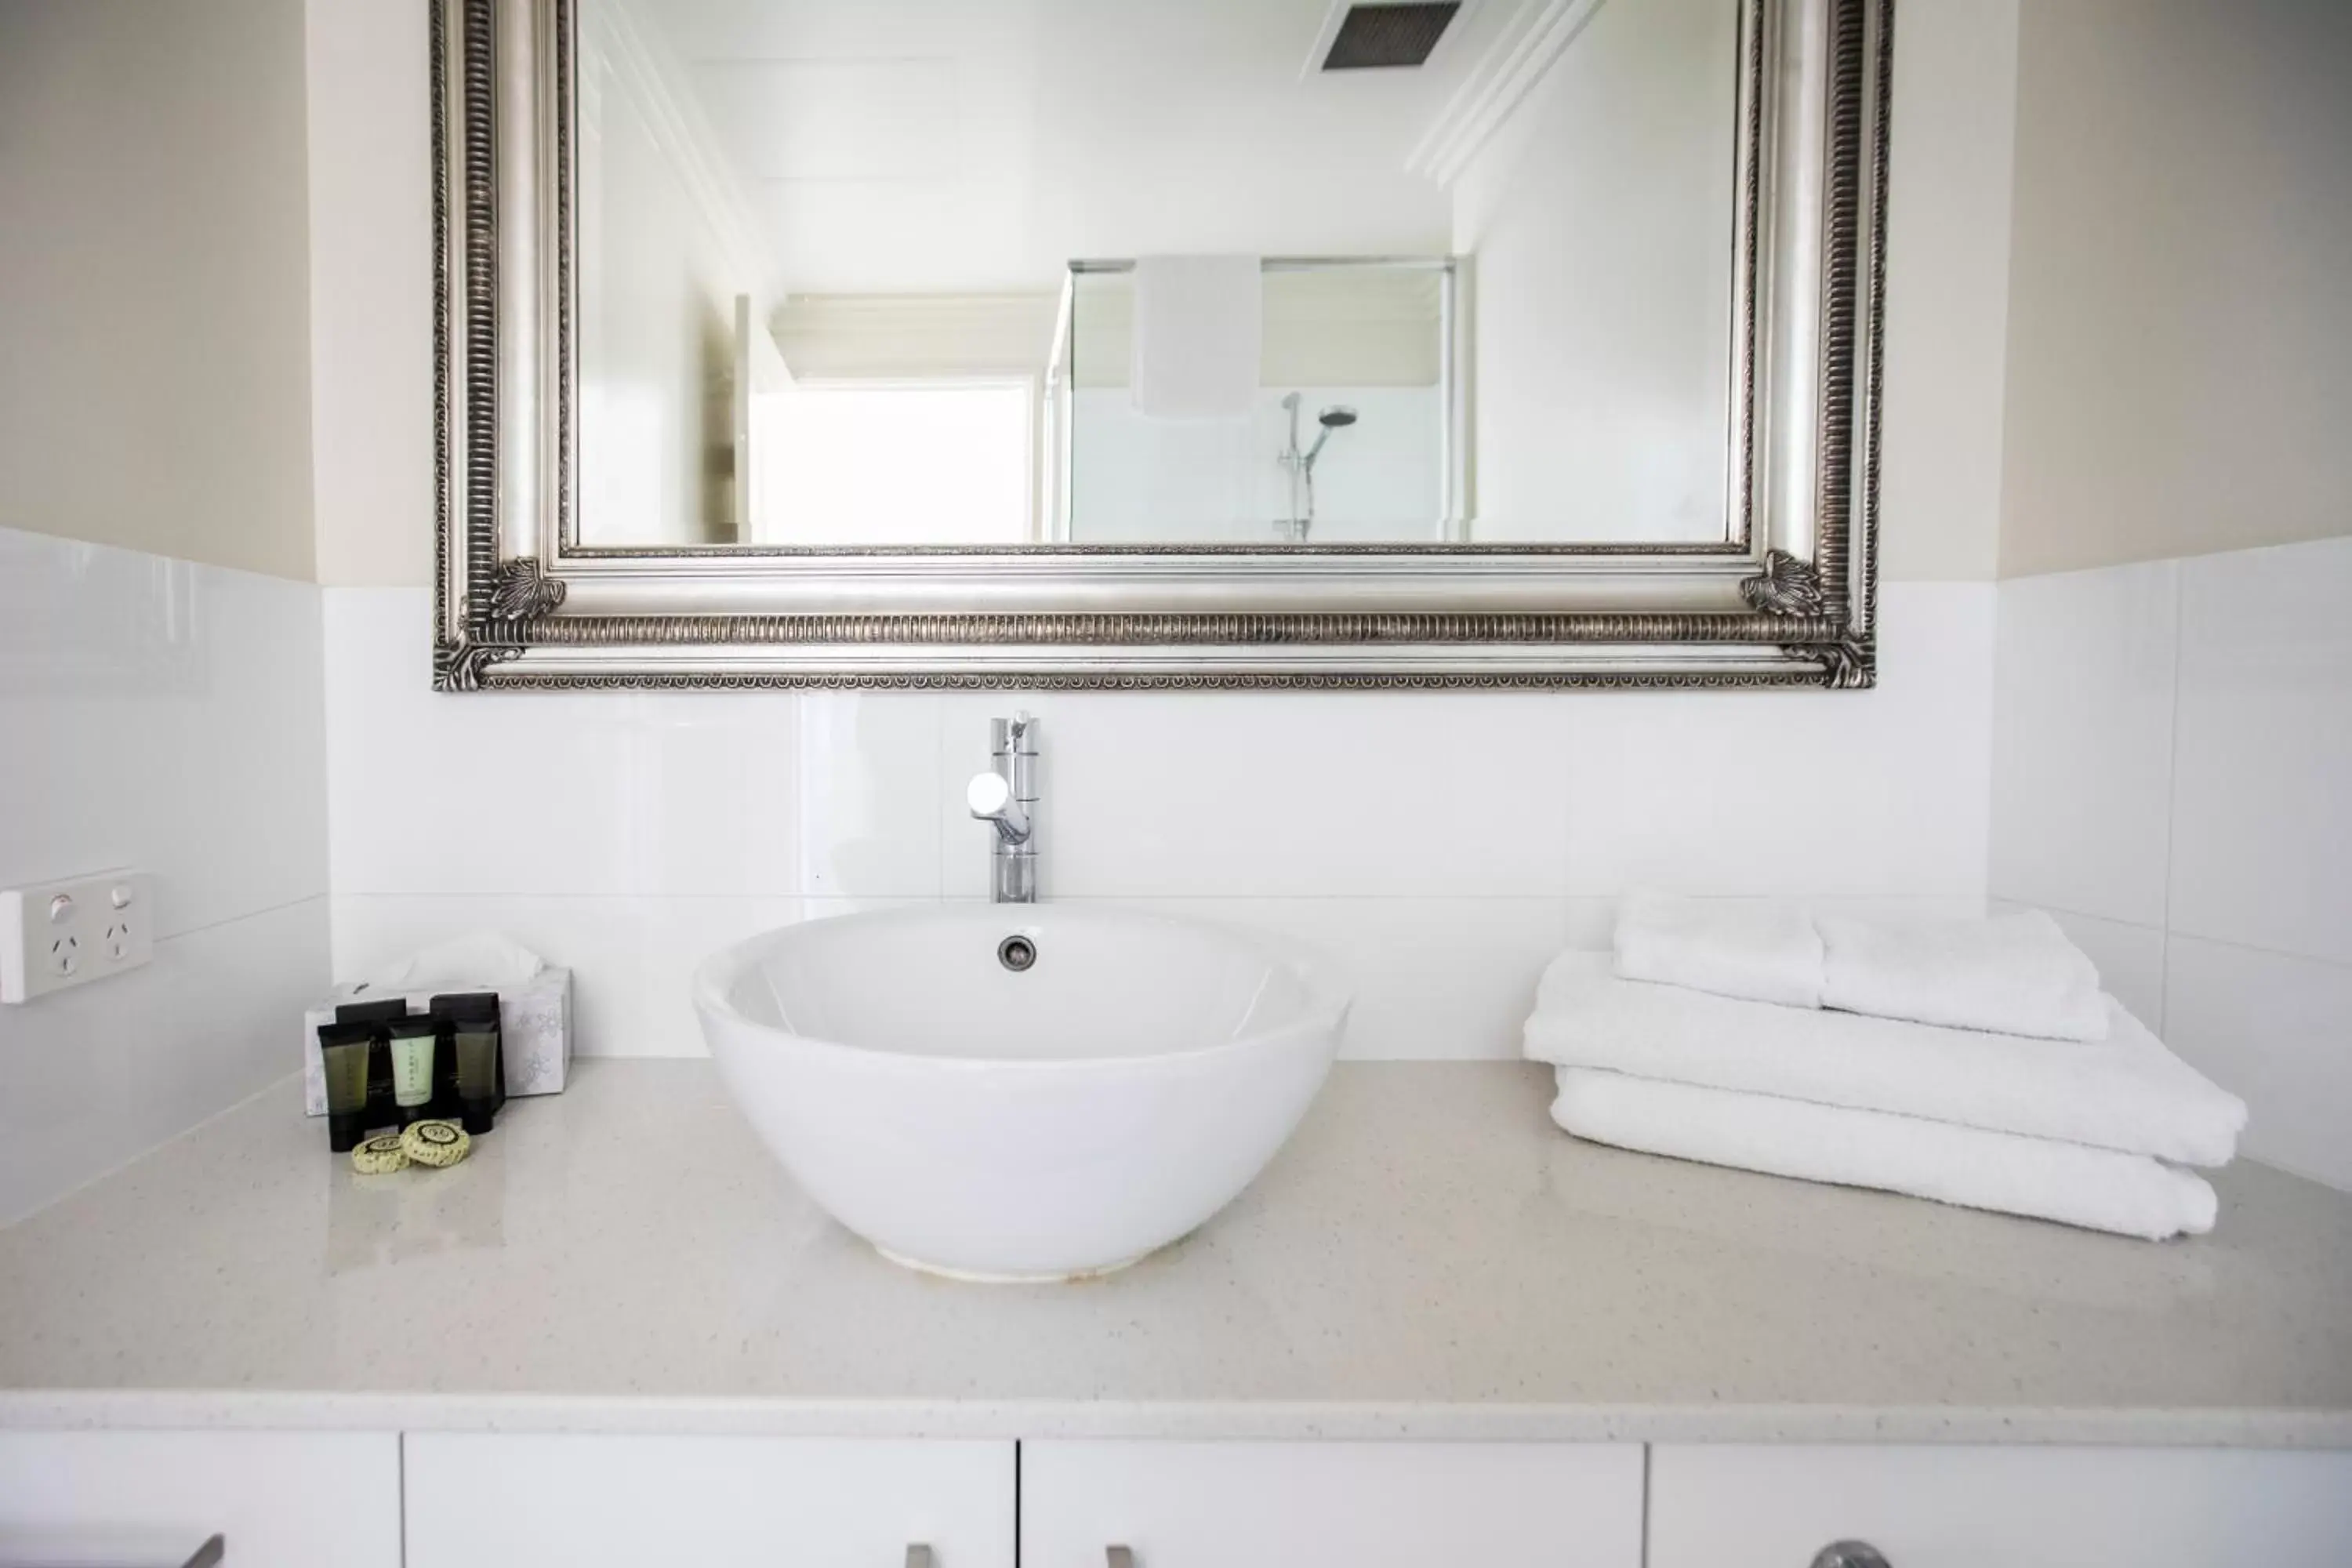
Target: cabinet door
x,y
1304,1505
505,1501
1776,1507
148,1499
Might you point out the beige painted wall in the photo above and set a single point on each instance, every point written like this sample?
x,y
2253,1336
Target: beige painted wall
x,y
2180,288
154,361
370,250
1947,289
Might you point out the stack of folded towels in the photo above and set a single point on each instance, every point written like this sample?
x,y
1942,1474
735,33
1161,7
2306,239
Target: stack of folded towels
x,y
1973,1062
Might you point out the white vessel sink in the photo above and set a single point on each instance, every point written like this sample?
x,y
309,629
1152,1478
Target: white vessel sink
x,y
989,1121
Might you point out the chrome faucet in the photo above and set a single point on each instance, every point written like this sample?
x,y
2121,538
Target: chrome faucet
x,y
1006,795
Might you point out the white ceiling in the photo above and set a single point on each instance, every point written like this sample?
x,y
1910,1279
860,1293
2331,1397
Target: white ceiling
x,y
945,145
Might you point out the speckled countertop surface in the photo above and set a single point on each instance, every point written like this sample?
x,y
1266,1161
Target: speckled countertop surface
x,y
1428,1258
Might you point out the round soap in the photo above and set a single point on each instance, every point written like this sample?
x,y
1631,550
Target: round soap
x,y
435,1143
379,1155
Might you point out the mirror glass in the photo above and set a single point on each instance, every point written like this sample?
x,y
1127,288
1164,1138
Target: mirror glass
x,y
1191,272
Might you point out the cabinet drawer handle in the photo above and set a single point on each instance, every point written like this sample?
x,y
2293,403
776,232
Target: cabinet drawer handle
x,y
209,1554
1850,1555
1119,1557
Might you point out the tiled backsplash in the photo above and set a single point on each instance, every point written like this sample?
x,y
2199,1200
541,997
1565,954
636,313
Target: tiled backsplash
x,y
2164,762
2171,763
167,716
1443,846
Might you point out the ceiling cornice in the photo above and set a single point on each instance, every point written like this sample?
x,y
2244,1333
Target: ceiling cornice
x,y
1525,50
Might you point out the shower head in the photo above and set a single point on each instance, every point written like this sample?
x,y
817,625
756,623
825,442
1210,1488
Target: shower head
x,y
1290,400
1337,416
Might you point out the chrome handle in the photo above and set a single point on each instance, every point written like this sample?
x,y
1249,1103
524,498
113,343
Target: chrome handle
x,y
1120,1557
918,1557
1848,1554
210,1554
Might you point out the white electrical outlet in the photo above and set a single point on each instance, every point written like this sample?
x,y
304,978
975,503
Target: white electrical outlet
x,y
69,933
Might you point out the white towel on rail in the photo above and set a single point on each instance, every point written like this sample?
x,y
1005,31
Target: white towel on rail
x,y
2099,1189
2126,1092
1760,949
1200,328
2017,974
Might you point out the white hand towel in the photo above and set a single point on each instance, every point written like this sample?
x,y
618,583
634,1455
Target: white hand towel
x,y
1199,332
2095,1188
1765,951
2017,974
2125,1092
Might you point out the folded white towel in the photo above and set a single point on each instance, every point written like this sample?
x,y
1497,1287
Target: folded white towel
x,y
1762,949
2125,1092
2095,1188
1200,328
2017,974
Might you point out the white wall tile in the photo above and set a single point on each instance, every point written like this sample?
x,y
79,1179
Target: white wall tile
x,y
2129,958
168,716
161,715
1446,846
604,793
2082,758
1801,792
410,775
1528,795
632,956
1279,794
2277,1030
2183,774
1433,977
94,1077
2262,853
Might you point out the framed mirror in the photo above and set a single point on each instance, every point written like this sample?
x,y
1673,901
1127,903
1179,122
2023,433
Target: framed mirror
x,y
1114,342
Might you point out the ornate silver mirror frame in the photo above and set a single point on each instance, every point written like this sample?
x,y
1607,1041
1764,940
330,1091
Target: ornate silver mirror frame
x,y
1789,600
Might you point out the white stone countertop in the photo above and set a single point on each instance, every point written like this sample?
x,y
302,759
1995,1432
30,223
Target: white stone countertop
x,y
1429,1257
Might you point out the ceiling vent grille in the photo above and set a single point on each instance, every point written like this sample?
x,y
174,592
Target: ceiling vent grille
x,y
1379,36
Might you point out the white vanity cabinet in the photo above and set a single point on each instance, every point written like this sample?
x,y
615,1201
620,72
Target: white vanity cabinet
x,y
516,1500
1736,1506
1367,1505
151,1499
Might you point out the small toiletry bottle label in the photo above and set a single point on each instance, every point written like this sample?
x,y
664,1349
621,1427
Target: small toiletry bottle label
x,y
412,1070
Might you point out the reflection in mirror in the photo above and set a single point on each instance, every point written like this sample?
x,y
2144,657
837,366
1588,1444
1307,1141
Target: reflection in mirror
x,y
1098,272
1336,425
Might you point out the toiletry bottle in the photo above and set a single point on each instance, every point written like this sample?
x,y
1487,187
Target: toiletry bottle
x,y
478,1046
415,1042
382,1111
343,1051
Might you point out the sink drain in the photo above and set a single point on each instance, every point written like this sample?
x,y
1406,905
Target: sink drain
x,y
1016,954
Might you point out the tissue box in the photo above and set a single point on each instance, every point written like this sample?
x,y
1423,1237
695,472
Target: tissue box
x,y
534,1027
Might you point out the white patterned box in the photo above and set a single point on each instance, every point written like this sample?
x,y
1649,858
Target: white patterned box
x,y
534,1030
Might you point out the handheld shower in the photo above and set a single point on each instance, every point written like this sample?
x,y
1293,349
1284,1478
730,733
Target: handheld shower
x,y
1301,465
1338,417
